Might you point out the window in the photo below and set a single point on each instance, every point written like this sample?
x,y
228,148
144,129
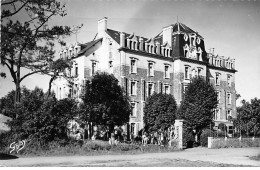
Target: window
x,y
228,114
76,70
132,129
70,93
199,71
70,53
160,87
229,80
216,114
133,68
133,88
166,89
144,90
218,93
94,67
150,89
192,40
187,72
174,41
230,129
217,80
150,69
229,98
76,91
166,72
110,63
185,88
133,109
193,73
60,93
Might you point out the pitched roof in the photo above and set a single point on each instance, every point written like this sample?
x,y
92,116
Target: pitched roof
x,y
116,35
181,28
86,46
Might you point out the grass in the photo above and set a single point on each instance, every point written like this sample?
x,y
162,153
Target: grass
x,y
89,148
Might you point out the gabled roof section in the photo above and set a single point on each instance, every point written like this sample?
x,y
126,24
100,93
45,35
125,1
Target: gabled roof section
x,y
179,27
116,35
183,28
88,45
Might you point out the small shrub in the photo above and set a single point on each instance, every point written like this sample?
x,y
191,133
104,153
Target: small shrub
x,y
220,134
204,137
97,145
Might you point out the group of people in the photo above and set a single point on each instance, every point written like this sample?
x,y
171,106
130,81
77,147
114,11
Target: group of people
x,y
161,137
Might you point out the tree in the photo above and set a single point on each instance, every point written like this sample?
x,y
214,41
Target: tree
x,y
105,102
159,112
40,117
248,117
29,42
200,100
58,68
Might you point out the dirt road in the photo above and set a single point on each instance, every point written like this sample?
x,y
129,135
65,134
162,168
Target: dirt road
x,y
187,158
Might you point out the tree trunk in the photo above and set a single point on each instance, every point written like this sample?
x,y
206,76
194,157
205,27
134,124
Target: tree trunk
x,y
17,87
50,82
111,128
89,136
17,90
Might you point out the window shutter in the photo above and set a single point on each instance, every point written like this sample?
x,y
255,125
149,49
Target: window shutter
x,y
182,91
144,90
126,86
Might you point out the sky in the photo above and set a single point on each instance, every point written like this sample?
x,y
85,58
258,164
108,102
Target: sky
x,y
232,28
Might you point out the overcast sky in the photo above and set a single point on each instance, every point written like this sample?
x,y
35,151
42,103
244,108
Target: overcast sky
x,y
231,27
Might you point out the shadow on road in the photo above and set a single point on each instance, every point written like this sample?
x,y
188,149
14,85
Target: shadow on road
x,y
4,156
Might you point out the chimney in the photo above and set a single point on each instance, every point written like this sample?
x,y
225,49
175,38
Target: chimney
x,y
102,26
122,39
167,35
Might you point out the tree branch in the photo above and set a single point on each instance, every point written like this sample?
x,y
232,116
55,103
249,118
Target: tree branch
x,y
7,3
21,79
15,11
11,71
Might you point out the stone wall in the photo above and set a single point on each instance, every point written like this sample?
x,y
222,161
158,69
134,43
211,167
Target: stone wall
x,y
215,143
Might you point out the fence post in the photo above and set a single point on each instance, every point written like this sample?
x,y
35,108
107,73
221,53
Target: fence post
x,y
179,130
210,141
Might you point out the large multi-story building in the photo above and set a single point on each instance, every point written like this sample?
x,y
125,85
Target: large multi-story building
x,y
165,63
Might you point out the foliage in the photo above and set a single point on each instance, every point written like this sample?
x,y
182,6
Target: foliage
x,y
58,68
40,117
105,102
159,112
222,127
96,147
29,42
204,136
188,136
198,104
248,117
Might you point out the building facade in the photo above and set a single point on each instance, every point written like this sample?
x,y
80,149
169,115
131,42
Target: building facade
x,y
165,63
